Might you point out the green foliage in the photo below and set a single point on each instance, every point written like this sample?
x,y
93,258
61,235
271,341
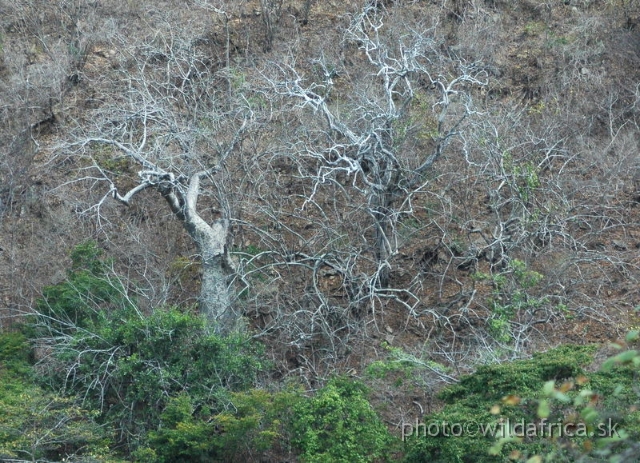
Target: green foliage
x,y
85,297
260,420
182,437
492,382
237,78
402,365
502,397
35,424
184,269
602,410
131,366
105,156
336,425
511,296
472,402
395,364
534,27
15,355
255,424
523,176
417,124
527,178
127,365
339,425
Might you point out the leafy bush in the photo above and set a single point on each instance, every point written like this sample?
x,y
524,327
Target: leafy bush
x,y
336,425
339,425
129,366
502,397
511,298
35,424
255,425
87,295
602,410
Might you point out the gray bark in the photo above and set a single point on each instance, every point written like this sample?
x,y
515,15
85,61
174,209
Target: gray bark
x,y
215,297
182,196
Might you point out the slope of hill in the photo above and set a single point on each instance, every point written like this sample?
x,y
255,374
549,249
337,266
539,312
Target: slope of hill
x,y
456,182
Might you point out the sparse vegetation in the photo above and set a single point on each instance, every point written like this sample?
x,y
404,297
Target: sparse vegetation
x,y
296,226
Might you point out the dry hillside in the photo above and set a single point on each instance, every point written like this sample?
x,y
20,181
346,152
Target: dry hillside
x,y
522,234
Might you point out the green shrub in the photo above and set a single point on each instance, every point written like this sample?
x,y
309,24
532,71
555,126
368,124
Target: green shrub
x,y
259,423
85,298
255,425
503,397
475,398
511,297
129,366
336,425
36,424
339,425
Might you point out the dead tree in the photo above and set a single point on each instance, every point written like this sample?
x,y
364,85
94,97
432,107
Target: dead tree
x,y
365,134
166,124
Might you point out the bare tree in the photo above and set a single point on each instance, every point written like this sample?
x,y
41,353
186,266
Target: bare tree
x,y
370,138
271,12
167,123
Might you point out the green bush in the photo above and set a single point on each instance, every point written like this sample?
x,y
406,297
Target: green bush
x,y
253,427
36,424
511,297
512,393
339,425
129,366
603,409
336,425
85,298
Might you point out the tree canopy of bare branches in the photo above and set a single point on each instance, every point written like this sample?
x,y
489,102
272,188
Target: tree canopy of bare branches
x,y
411,92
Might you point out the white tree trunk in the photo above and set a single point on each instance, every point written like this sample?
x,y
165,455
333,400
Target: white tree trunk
x,y
182,197
215,298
